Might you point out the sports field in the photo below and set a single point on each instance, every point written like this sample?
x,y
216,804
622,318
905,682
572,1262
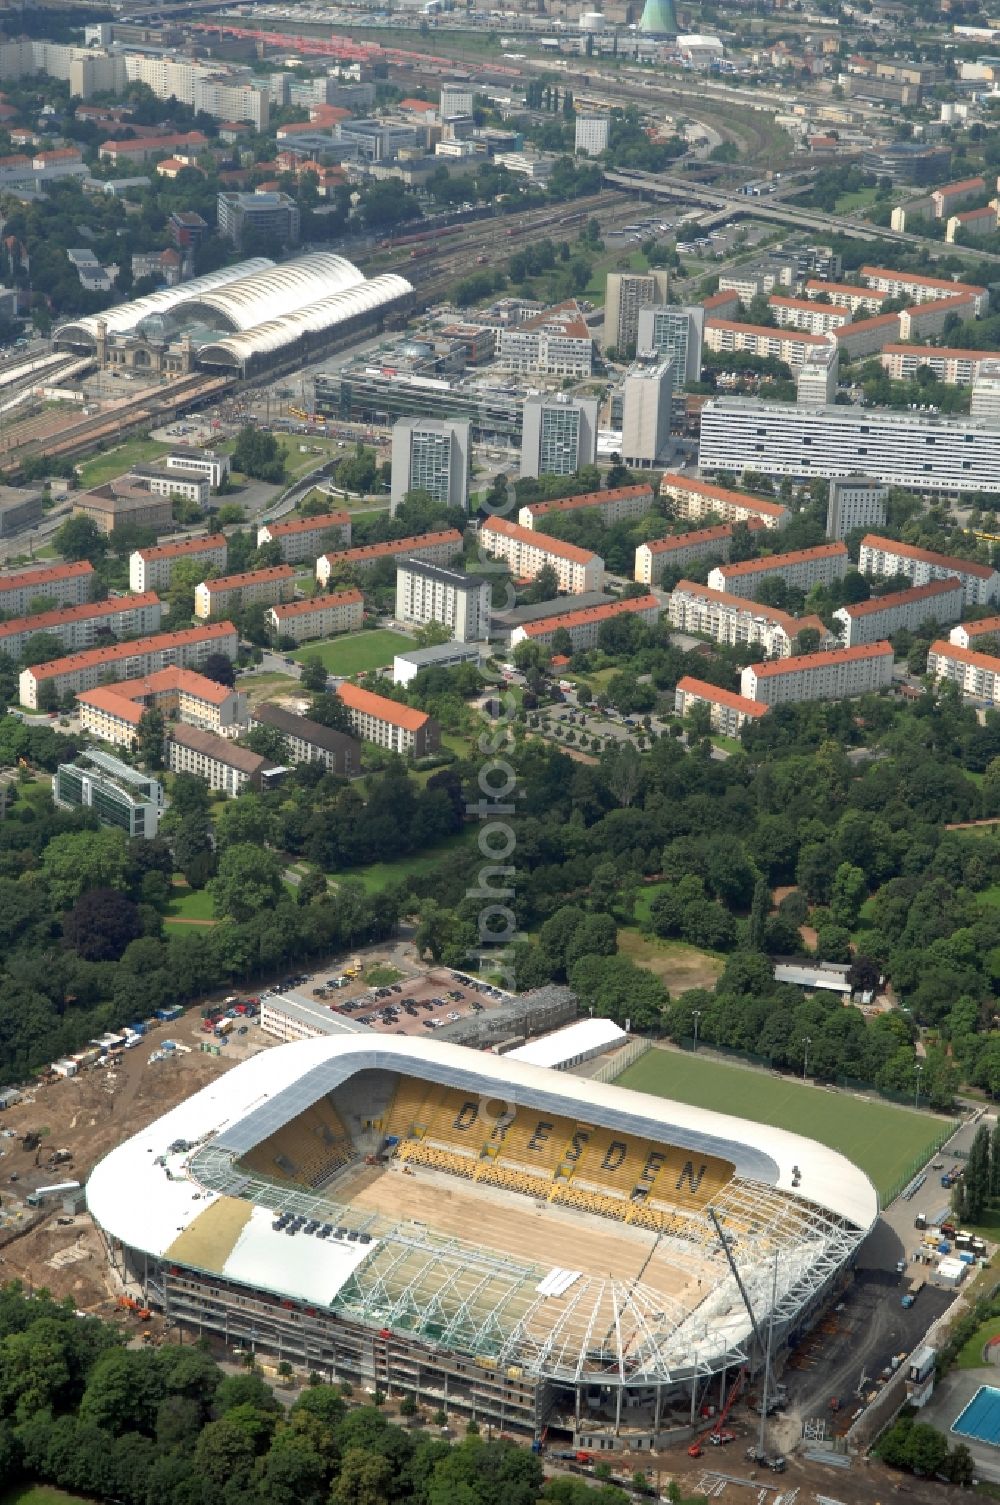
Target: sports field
x,y
885,1141
356,651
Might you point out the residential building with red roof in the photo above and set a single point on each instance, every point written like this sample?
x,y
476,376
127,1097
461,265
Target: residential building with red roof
x,y
187,649
112,712
617,505
951,196
153,568
694,499
967,634
977,223
400,728
557,342
221,763
838,674
722,305
871,621
925,319
857,299
887,556
527,553
584,625
77,627
866,336
727,618
800,569
318,616
436,548
65,584
806,314
977,674
922,289
657,555
302,537
144,147
728,335
226,593
727,711
954,367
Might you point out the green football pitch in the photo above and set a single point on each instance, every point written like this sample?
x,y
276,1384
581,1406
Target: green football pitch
x,y
887,1142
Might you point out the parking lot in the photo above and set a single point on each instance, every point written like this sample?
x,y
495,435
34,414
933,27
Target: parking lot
x,y
415,1005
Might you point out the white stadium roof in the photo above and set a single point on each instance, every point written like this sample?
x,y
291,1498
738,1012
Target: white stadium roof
x,y
147,1194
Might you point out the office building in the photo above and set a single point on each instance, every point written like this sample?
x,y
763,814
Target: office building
x,y
674,334
119,795
872,621
221,763
113,712
213,466
441,547
976,674
619,504
121,505
78,627
318,616
626,293
816,382
737,622
646,401
431,454
660,556
304,537
918,289
838,674
54,584
399,728
854,502
924,452
584,625
430,593
456,99
692,499
153,568
970,634
558,435
307,741
591,135
527,553
187,649
789,345
727,711
231,593
800,570
557,342
270,216
887,556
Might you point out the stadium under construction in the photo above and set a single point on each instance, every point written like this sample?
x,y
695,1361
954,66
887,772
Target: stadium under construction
x,y
243,321
514,1244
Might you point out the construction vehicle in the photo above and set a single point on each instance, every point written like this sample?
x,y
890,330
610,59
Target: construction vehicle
x,y
31,1140
130,1304
716,1434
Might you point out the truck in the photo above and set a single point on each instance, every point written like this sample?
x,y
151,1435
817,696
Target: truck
x,y
223,1027
170,1011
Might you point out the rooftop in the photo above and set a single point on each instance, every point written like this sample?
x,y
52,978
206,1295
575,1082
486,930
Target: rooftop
x,y
395,546
40,576
914,279
160,642
219,748
284,609
903,598
705,691
767,331
41,621
941,353
321,521
716,533
540,541
966,656
249,577
808,305
587,614
823,660
791,624
722,494
836,550
186,546
382,708
455,578
311,731
591,499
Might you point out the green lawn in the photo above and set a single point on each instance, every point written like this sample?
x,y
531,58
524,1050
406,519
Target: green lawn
x,y
970,1355
728,744
885,1141
189,904
990,896
850,203
40,1494
379,875
113,462
356,651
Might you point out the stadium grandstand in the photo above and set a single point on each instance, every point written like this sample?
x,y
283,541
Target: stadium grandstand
x,y
549,1255
244,319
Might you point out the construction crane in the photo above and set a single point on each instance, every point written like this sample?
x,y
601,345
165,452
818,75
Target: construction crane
x,y
764,1348
719,1422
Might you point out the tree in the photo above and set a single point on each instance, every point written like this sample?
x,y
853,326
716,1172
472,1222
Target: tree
x,y
528,655
314,674
41,648
268,741
220,668
248,882
759,910
562,643
330,711
545,585
78,860
258,454
149,738
101,924
80,538
847,895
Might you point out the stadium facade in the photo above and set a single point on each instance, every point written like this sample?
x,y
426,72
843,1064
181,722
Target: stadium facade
x,y
243,320
512,1243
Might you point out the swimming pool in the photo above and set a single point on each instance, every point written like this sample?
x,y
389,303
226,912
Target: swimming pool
x,y
980,1419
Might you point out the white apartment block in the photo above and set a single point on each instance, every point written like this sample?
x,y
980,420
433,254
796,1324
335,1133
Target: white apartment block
x,y
838,674
924,320
977,674
818,376
584,626
591,135
302,538
854,502
866,336
204,462
77,627
801,569
318,616
226,593
655,558
555,343
956,368
647,393
693,499
621,504
857,299
224,96
805,314
221,763
430,593
437,548
730,619
527,553
63,584
432,455
922,289
873,621
400,728
113,712
152,569
727,712
925,453
187,649
967,634
886,556
788,345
